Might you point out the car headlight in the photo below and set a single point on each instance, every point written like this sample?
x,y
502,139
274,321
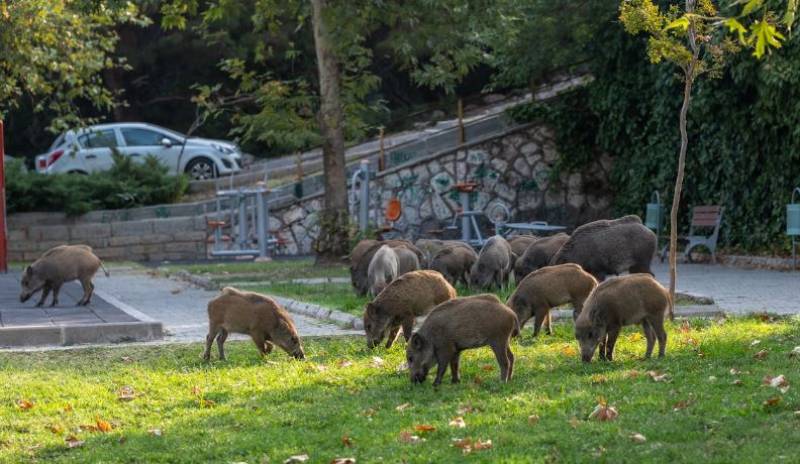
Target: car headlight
x,y
221,149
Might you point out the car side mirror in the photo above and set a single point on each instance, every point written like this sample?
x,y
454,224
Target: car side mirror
x,y
166,142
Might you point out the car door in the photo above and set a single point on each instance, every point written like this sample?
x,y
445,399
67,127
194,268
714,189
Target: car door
x,y
141,142
96,146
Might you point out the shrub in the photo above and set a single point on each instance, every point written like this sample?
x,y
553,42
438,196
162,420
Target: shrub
x,y
126,185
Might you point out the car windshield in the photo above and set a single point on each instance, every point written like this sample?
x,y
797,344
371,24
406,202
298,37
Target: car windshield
x,y
171,132
57,143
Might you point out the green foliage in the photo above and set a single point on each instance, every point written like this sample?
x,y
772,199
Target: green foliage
x,y
126,185
744,130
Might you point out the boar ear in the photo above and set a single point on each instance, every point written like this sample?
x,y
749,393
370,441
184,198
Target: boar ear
x,y
370,309
28,271
417,341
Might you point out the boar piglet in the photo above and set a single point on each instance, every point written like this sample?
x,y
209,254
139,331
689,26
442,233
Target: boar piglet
x,y
259,316
411,295
57,266
621,301
458,325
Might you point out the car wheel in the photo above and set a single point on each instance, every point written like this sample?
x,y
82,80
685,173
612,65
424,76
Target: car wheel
x,y
201,169
82,173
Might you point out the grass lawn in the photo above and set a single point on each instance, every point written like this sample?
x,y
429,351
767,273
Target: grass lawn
x,y
341,402
270,271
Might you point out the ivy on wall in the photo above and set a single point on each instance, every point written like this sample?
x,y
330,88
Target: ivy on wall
x,y
744,131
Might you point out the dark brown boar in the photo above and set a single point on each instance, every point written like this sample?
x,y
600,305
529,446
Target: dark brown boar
x,y
411,295
57,266
520,243
457,325
259,316
547,288
360,268
495,263
621,301
538,255
454,263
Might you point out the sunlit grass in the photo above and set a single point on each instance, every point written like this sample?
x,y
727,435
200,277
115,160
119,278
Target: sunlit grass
x,y
248,409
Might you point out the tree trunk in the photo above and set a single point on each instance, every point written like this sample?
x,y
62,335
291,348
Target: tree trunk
x,y
689,75
334,220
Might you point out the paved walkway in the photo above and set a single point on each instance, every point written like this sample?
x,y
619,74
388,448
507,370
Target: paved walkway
x,y
181,307
738,290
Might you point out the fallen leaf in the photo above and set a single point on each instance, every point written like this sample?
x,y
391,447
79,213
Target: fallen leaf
x,y
408,437
458,422
424,428
569,350
369,412
599,378
574,422
682,404
632,374
487,367
477,380
761,354
197,391
691,341
466,409
712,378
206,403
24,404
127,359
377,361
344,363
402,407
467,445
296,459
686,327
737,382
755,342
603,412
482,445
778,382
658,377
402,367
73,442
795,352
772,402
533,419
735,371
68,408
343,461
55,428
634,337
126,393
154,432
638,438
102,425
347,441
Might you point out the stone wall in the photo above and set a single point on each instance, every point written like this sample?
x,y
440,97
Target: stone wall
x,y
146,240
515,169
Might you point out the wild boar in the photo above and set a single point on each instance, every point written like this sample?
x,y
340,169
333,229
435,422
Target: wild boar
x,y
407,260
457,325
409,296
493,265
621,301
430,247
382,269
549,287
236,311
359,262
57,266
538,255
610,247
520,243
454,263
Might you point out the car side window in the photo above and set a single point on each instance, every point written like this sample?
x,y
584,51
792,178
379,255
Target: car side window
x,y
98,139
142,137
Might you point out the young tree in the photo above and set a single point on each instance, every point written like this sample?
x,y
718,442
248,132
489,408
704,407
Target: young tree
x,y
693,37
55,51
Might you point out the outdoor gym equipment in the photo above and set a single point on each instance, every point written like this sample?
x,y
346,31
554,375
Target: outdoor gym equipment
x,y
359,193
247,209
793,224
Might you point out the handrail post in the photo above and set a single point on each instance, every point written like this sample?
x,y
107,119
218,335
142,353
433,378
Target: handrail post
x,y
3,225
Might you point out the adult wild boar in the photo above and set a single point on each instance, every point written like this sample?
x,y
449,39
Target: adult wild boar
x,y
494,264
538,255
454,263
409,296
457,325
362,256
382,269
259,316
430,247
547,288
57,266
520,243
621,301
610,247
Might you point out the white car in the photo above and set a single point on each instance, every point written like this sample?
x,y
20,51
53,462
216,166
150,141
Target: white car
x,y
89,150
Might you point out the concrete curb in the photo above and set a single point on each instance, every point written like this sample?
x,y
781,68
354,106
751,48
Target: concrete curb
x,y
201,282
28,336
691,311
320,312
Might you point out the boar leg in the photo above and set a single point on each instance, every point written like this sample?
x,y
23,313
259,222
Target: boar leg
x,y
394,331
268,347
501,353
658,326
443,357
549,322
45,292
510,362
540,317
88,290
455,376
56,289
212,334
222,335
613,333
650,334
259,340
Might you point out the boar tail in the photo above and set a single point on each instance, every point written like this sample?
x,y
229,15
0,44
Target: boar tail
x,y
105,271
671,309
515,332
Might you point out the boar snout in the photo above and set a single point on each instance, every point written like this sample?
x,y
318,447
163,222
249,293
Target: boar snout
x,y
418,377
23,297
299,355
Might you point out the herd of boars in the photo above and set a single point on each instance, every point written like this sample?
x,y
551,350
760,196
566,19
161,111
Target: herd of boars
x,y
409,280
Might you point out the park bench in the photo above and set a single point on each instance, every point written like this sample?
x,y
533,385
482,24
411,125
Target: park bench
x,y
705,218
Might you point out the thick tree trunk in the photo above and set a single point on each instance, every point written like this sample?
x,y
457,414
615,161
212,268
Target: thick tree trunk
x,y
333,241
689,75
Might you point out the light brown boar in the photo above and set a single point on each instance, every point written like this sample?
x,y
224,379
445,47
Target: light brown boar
x,y
547,288
454,263
411,295
520,243
259,316
457,325
621,301
57,266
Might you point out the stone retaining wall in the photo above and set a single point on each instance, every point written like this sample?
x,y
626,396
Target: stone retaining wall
x,y
146,240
